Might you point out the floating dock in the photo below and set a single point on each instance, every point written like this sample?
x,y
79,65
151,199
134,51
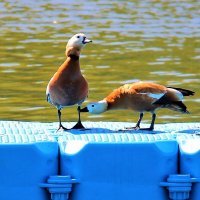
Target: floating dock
x,y
104,162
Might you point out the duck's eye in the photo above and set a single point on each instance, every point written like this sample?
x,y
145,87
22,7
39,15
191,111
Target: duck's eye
x,y
92,105
78,36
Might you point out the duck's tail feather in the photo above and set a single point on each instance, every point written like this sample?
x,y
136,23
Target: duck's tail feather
x,y
184,91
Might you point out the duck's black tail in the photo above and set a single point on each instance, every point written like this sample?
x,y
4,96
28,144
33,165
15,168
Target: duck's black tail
x,y
184,91
178,106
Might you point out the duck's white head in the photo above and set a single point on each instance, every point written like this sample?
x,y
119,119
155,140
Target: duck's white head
x,y
78,41
96,108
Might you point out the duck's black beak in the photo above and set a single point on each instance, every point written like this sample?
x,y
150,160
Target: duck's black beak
x,y
84,109
85,40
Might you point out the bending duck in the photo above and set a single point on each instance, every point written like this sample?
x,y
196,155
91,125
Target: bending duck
x,y
142,97
68,87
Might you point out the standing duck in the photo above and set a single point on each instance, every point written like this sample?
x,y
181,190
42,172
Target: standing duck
x,y
142,97
68,87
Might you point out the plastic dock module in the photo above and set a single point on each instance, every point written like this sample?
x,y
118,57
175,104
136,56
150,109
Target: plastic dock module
x,y
25,162
118,166
190,162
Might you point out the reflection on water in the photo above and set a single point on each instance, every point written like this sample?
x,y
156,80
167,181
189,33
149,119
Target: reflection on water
x,y
132,40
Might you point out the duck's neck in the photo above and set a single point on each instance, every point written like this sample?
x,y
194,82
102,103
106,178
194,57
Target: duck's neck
x,y
71,64
73,52
73,57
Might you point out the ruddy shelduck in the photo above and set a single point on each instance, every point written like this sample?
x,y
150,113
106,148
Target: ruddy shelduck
x,y
142,97
68,87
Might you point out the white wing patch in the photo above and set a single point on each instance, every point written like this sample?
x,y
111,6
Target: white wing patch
x,y
155,96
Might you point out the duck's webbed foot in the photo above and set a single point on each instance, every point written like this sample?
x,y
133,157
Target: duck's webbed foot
x,y
78,125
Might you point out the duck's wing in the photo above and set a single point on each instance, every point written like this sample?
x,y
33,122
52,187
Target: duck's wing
x,y
172,100
149,90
